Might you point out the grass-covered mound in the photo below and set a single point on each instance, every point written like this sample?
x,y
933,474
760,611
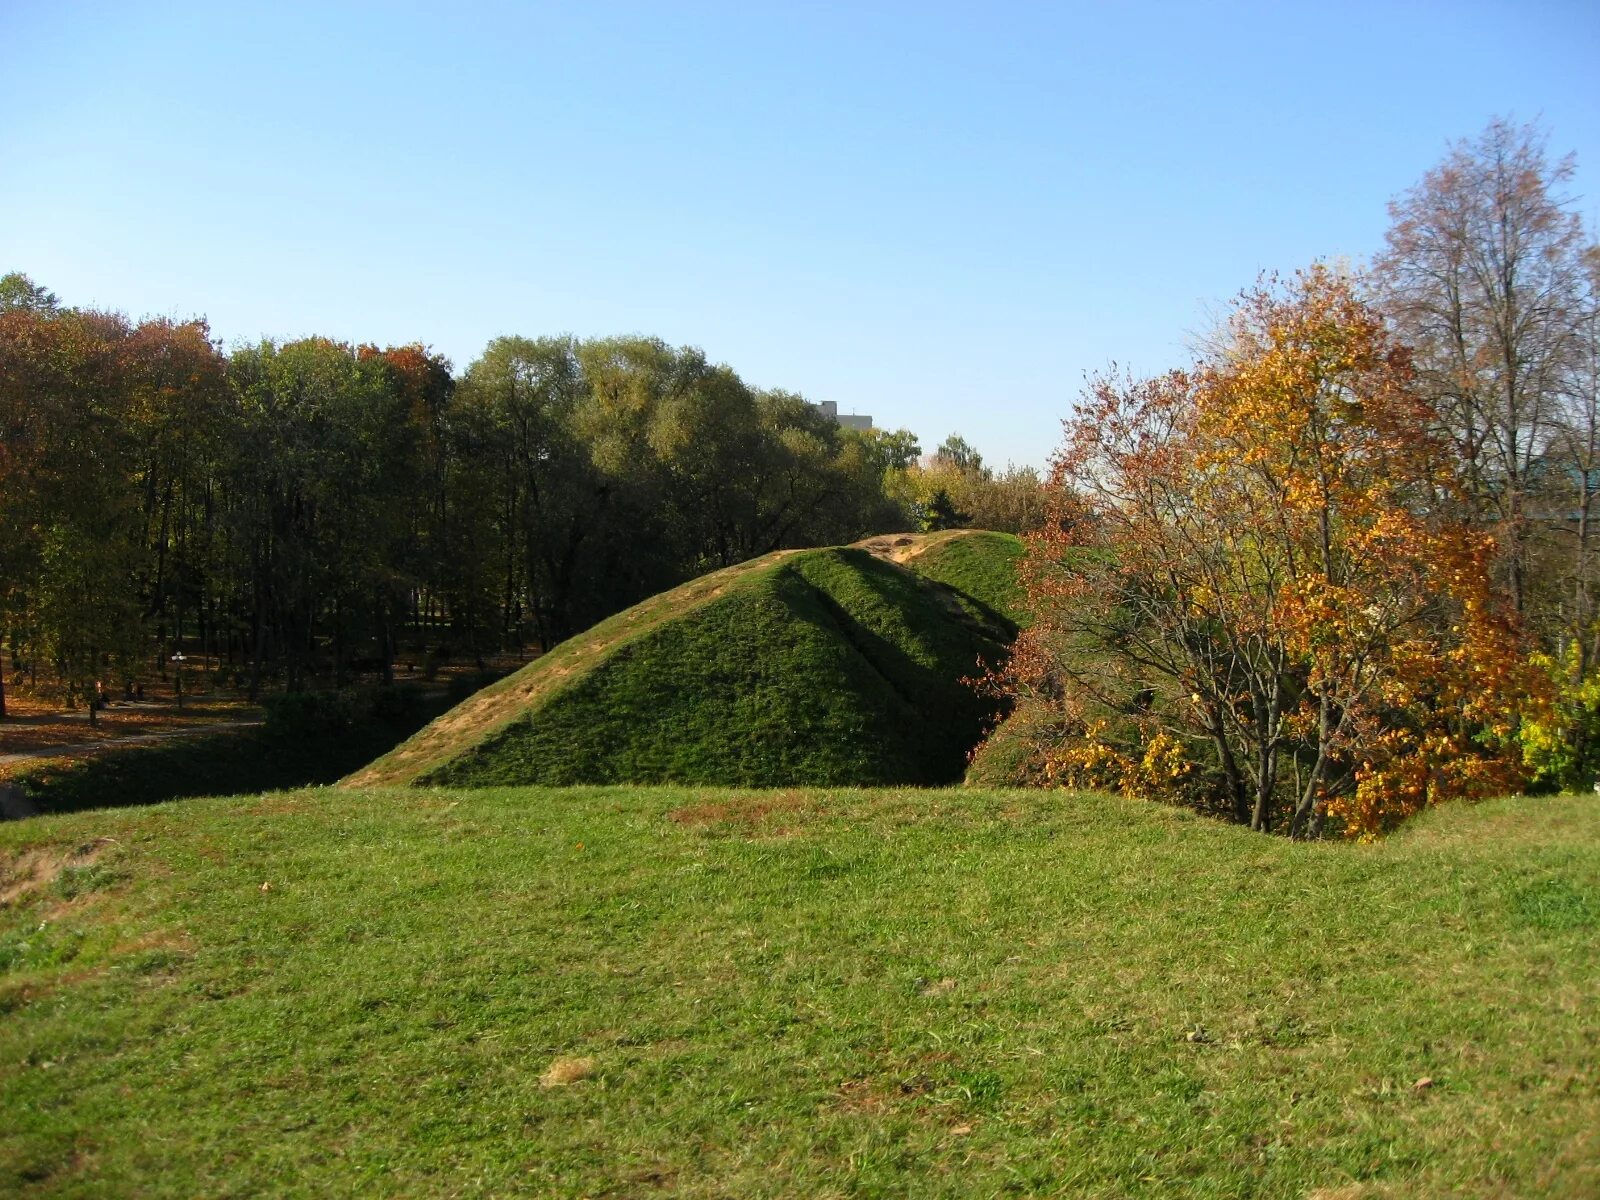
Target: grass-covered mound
x,y
831,666
631,992
979,564
1014,752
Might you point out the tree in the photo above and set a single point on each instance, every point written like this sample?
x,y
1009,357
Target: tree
x,y
548,502
956,453
1565,747
18,293
1571,483
812,482
896,451
1011,501
941,513
68,519
1483,275
177,424
1250,596
299,505
412,470
321,475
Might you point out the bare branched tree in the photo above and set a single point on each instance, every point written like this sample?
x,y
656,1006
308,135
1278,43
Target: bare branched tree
x,y
1484,275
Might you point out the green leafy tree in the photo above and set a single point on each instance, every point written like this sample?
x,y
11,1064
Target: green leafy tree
x,y
956,453
543,503
941,513
178,422
321,474
18,293
67,513
416,565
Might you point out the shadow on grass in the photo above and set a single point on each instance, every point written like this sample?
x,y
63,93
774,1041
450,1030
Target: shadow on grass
x,y
308,739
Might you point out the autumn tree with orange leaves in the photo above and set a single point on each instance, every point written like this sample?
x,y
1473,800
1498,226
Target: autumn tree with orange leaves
x,y
1249,596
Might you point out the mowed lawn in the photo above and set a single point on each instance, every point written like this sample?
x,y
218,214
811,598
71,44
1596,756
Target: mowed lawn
x,y
631,992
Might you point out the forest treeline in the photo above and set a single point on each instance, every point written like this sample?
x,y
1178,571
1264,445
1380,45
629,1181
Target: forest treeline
x,y
306,511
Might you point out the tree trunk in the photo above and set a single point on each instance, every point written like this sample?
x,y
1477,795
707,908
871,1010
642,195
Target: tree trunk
x,y
255,652
1308,799
1230,768
386,632
1261,817
338,643
1267,761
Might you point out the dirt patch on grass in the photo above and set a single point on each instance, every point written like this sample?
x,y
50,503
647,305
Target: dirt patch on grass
x,y
744,812
861,1096
278,804
565,1071
874,1095
903,547
176,941
652,1179
32,871
894,547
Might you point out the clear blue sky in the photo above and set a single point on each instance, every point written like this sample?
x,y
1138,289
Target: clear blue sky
x,y
942,215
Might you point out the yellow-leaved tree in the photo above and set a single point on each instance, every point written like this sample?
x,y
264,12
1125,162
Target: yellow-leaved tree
x,y
1251,595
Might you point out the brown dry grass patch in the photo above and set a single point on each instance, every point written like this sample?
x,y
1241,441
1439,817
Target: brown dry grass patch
x,y
874,1096
176,940
32,871
744,812
278,804
564,1071
17,993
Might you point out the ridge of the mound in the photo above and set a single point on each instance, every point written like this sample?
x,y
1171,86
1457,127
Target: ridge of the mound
x,y
507,698
979,564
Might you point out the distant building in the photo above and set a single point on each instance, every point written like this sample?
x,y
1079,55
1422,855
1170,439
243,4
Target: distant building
x,y
846,420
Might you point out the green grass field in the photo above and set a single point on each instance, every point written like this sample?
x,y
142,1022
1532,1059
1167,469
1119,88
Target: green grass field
x,y
690,992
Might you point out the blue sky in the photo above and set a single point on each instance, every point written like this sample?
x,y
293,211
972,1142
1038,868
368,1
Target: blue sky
x,y
942,215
